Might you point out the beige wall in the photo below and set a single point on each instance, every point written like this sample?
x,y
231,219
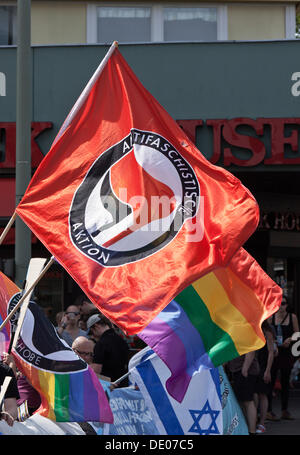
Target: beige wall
x,y
256,22
64,22
58,22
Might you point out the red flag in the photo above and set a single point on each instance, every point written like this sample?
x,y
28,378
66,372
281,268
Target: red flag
x,y
127,203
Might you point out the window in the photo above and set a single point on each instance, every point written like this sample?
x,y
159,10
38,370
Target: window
x,y
123,24
8,25
190,24
155,23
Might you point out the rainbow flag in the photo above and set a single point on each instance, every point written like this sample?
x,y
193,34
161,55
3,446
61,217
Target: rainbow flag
x,y
69,397
214,320
70,390
8,289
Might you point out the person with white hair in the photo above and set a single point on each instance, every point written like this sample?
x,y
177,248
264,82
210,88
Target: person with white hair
x,y
84,348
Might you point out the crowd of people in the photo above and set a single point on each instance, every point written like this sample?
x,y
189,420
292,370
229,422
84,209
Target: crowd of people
x,y
254,376
92,337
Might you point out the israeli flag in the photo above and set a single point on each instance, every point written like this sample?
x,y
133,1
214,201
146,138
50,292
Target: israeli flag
x,y
200,412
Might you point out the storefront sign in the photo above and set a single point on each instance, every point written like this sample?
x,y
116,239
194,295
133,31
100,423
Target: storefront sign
x,y
8,143
281,133
279,221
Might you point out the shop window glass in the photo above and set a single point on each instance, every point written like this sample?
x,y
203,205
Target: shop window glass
x,y
8,25
123,24
190,24
155,23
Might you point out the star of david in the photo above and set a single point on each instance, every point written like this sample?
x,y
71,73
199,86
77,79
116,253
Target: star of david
x,y
196,415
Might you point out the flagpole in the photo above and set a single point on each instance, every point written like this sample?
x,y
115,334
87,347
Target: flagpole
x,y
8,226
34,272
27,293
4,388
34,269
20,321
122,377
86,91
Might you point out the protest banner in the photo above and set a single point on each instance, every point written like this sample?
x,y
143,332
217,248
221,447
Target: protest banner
x,y
131,414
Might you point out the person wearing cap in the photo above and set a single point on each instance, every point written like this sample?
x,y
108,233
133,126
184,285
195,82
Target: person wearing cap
x,y
111,352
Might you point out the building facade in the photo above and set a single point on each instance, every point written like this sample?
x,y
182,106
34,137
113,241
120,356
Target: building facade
x,y
87,22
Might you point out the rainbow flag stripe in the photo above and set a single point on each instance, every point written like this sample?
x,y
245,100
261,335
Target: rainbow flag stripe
x,y
7,290
69,396
73,397
70,390
214,320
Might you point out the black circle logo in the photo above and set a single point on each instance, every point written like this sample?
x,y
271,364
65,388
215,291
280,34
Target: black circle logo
x,y
133,200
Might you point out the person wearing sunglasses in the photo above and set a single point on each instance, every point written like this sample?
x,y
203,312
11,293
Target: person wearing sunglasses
x,y
68,328
84,348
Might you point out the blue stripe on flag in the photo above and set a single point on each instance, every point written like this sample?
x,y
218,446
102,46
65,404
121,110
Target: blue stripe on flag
x,y
145,356
216,378
159,398
76,397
